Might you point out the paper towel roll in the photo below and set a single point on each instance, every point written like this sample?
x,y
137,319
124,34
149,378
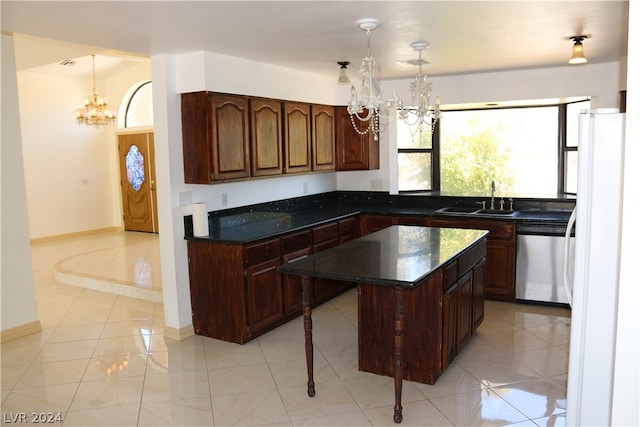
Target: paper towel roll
x,y
200,220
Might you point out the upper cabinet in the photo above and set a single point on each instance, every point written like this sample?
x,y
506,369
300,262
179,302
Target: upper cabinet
x,y
353,150
323,142
266,136
215,137
297,137
231,137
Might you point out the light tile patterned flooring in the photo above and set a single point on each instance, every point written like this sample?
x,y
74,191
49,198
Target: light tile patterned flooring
x,y
102,359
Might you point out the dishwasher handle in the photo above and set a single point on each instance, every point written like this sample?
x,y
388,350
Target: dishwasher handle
x,y
568,286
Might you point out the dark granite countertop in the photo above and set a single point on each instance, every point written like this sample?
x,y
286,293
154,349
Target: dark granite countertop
x,y
396,256
251,223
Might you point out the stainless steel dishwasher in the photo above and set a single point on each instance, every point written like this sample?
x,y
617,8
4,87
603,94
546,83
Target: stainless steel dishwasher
x,y
540,263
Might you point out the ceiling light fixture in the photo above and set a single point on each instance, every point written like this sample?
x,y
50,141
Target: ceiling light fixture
x,y
577,52
367,107
343,77
422,116
95,111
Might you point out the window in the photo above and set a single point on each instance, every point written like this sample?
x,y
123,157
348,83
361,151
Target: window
x,y
528,151
139,110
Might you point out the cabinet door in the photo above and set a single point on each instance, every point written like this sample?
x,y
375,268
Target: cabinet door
x,y
230,136
292,284
373,223
264,296
196,141
297,137
266,137
500,274
465,306
323,141
325,237
353,150
449,322
478,294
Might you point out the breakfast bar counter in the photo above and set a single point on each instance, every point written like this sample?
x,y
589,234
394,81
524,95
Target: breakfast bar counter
x,y
420,296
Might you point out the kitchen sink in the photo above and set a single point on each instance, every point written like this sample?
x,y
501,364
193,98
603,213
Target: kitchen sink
x,y
461,210
457,210
496,212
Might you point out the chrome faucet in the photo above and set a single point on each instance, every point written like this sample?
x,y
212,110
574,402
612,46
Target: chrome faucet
x,y
493,192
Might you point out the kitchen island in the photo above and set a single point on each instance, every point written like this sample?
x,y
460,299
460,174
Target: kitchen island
x,y
420,296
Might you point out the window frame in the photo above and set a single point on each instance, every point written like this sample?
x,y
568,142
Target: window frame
x,y
563,148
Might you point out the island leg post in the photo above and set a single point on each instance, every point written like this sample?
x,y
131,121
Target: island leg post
x,y
308,339
398,353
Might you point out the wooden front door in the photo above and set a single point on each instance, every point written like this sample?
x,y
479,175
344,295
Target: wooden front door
x,y
138,181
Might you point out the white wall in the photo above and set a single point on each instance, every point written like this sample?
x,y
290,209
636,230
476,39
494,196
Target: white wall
x,y
18,305
71,171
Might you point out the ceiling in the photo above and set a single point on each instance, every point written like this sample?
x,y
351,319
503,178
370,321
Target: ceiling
x,y
464,36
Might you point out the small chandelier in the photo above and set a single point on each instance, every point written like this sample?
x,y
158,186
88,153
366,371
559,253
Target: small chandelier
x,y
421,118
367,107
95,111
577,52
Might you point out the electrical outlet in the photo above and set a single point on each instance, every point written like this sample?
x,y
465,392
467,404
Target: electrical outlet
x,y
376,184
305,187
225,199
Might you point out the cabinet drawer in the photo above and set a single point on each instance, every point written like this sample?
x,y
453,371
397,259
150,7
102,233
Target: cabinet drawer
x,y
450,273
296,242
261,252
325,232
471,257
348,226
500,230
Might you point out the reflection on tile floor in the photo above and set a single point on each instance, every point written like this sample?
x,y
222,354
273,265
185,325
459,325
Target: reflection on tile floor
x,y
102,359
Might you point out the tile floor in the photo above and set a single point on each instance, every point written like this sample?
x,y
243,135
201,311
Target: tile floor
x,y
102,359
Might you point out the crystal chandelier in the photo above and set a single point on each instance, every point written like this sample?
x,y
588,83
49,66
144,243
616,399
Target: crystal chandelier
x,y
370,106
422,116
367,107
95,111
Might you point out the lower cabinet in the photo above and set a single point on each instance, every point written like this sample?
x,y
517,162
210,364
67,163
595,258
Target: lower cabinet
x,y
440,316
237,292
500,279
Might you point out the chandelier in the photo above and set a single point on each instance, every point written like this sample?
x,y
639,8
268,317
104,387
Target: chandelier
x,y
369,106
422,116
95,111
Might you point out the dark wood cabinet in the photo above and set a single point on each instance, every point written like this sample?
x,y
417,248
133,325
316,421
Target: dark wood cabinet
x,y
323,142
354,151
438,319
266,137
230,137
500,274
237,292
294,246
371,223
215,137
264,289
297,137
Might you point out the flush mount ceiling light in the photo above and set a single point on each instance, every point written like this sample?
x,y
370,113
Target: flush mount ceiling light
x,y
577,52
95,111
421,116
343,77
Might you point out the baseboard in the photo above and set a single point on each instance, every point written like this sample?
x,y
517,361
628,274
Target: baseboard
x,y
178,334
20,331
76,234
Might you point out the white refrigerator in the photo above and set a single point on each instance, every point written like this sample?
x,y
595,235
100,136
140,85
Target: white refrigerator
x,y
593,289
